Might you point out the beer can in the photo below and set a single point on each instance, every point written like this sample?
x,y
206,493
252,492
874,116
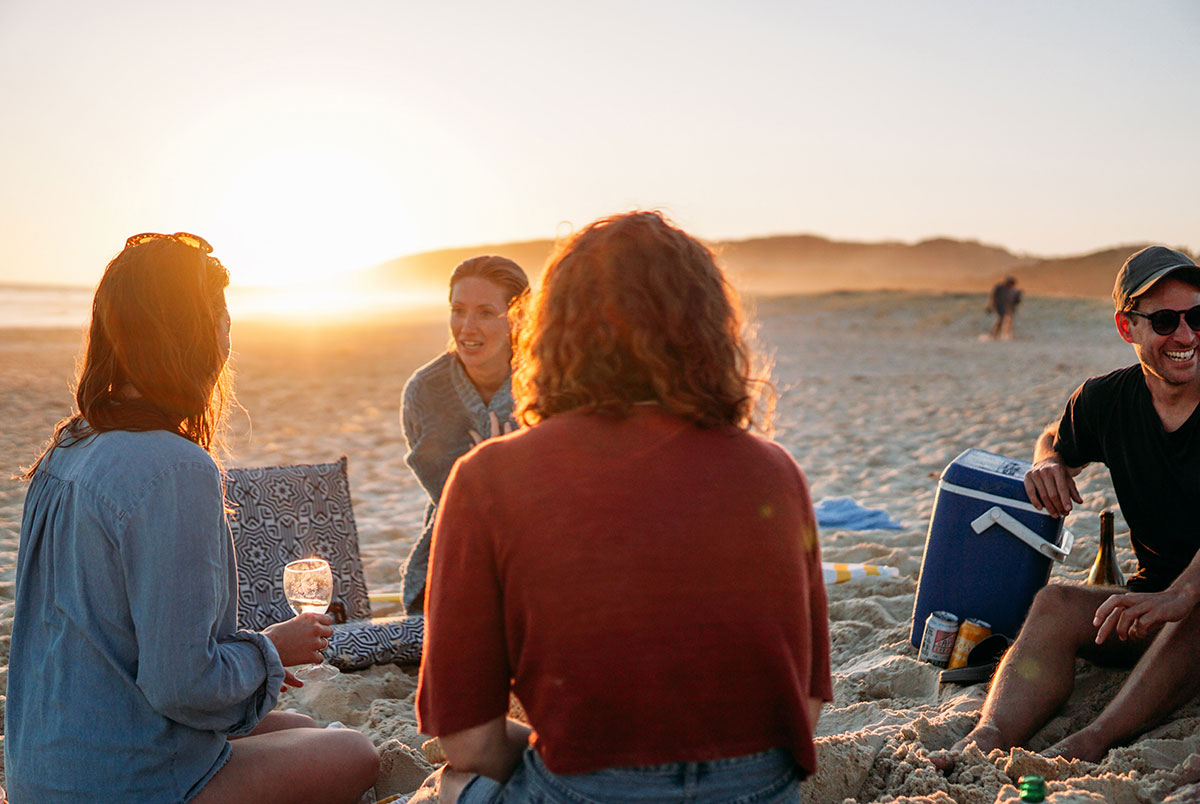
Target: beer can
x,y
937,642
969,635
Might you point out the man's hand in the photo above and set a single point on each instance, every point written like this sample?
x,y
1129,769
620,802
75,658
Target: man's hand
x,y
1137,615
301,639
1049,485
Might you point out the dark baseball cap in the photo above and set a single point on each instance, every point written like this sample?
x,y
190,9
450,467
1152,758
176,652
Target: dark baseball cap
x,y
1143,269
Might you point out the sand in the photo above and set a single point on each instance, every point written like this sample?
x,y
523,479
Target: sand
x,y
878,392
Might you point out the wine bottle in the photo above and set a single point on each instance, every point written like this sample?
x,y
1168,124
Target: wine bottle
x,y
1105,571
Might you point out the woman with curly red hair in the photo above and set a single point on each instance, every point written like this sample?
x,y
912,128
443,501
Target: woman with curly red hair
x,y
638,568
128,677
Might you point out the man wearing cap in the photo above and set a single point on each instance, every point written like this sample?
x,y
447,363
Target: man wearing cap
x,y
1143,423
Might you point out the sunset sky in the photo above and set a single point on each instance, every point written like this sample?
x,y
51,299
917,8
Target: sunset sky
x,y
306,139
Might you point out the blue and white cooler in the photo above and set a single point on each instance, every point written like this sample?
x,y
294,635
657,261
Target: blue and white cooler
x,y
988,550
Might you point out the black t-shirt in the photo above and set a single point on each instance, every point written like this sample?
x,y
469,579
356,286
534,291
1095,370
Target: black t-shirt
x,y
1156,474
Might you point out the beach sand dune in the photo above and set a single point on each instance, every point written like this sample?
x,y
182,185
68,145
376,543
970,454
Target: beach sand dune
x,y
877,393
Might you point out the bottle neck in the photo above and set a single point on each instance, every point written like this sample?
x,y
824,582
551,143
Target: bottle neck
x,y
1106,528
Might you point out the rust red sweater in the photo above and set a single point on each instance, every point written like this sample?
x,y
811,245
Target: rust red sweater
x,y
650,590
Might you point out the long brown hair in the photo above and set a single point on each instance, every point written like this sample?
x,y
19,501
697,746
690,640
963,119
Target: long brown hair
x,y
633,309
152,358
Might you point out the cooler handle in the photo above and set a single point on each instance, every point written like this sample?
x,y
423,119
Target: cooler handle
x,y
998,516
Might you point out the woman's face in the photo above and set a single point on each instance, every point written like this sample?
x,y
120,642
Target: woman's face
x,y
479,324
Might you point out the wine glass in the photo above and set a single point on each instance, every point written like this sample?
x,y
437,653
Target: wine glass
x,y
308,586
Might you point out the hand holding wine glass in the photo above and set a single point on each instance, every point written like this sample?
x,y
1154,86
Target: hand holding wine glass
x,y
308,586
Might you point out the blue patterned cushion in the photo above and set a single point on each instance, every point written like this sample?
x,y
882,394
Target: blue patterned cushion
x,y
282,513
356,645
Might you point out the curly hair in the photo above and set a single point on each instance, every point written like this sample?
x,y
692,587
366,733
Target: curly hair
x,y
632,309
154,329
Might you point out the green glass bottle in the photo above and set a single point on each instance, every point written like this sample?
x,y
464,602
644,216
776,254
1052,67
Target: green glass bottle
x,y
1033,788
1105,571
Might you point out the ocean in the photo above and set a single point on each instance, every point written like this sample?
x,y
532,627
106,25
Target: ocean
x,y
44,306
62,307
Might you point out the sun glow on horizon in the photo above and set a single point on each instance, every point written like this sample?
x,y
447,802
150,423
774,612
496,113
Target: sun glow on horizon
x,y
329,301
303,214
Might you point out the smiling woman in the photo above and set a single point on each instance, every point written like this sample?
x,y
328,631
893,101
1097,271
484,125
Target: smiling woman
x,y
464,395
309,213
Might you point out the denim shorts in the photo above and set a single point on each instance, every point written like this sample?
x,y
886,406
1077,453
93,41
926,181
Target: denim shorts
x,y
769,777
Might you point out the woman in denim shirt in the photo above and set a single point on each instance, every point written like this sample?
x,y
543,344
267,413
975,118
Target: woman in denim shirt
x,y
128,677
453,401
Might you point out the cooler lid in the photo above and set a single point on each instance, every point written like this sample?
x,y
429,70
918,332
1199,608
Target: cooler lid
x,y
989,472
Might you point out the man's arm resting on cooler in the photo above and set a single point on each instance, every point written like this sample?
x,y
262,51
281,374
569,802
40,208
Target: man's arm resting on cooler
x,y
491,749
1049,483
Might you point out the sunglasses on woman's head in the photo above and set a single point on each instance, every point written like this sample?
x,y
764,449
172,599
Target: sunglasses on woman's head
x,y
1165,322
187,238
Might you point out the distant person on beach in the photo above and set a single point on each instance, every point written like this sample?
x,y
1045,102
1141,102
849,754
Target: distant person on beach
x,y
462,396
1003,302
1143,423
128,678
636,566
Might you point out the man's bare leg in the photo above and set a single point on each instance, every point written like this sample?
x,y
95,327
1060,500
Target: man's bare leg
x,y
1038,672
1163,680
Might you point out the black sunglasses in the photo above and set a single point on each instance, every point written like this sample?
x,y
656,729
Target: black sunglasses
x,y
1166,322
